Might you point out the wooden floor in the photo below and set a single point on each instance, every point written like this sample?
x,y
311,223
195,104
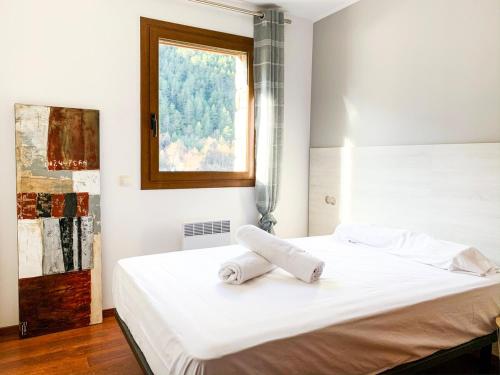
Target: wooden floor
x,y
102,349
98,349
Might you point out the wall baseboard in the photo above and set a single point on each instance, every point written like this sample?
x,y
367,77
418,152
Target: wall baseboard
x,y
108,312
9,331
13,330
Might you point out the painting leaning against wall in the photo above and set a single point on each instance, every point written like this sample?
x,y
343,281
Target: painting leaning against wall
x,y
58,218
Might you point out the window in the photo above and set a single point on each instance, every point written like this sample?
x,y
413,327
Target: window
x,y
196,107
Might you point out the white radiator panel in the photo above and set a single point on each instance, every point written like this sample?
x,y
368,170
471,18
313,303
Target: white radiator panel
x,y
206,234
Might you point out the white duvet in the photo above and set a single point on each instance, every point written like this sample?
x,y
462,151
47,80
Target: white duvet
x,y
179,311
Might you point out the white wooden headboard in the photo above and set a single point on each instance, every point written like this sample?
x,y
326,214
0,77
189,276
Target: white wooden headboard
x,y
449,191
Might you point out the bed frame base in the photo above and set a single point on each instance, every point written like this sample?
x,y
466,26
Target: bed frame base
x,y
483,344
133,346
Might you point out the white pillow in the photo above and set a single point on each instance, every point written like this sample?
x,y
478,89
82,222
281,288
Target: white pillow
x,y
369,235
419,247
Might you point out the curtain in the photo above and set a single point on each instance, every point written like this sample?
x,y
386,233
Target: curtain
x,y
269,94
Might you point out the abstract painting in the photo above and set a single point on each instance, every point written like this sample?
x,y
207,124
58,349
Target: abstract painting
x,y
58,218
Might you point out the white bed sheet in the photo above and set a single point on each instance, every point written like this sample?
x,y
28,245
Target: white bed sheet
x,y
180,314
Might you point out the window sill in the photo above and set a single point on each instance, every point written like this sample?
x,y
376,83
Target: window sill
x,y
196,184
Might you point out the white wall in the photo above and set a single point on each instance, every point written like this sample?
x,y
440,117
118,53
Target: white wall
x,y
292,209
85,53
388,72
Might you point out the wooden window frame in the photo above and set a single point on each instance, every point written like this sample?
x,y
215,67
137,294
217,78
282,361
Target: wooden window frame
x,y
151,177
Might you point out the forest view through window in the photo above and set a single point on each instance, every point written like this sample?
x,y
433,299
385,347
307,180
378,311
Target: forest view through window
x,y
203,108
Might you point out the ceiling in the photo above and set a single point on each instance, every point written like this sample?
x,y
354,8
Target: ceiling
x,y
313,10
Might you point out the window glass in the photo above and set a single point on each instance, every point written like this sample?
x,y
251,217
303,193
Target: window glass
x,y
203,108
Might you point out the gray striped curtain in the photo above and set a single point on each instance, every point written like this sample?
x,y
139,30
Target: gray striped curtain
x,y
269,93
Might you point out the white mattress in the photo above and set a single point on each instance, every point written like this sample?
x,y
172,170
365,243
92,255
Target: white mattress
x,y
182,316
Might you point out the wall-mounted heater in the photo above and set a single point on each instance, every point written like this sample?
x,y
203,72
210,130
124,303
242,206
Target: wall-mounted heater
x,y
206,234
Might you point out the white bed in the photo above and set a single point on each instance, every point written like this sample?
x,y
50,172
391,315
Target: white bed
x,y
370,311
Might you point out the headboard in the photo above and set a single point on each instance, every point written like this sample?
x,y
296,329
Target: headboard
x,y
449,191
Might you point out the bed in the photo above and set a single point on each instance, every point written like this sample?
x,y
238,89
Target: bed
x,y
370,312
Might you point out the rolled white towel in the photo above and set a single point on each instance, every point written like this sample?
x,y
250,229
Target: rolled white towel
x,y
243,268
291,258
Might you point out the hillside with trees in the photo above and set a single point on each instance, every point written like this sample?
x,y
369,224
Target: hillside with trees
x,y
197,107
